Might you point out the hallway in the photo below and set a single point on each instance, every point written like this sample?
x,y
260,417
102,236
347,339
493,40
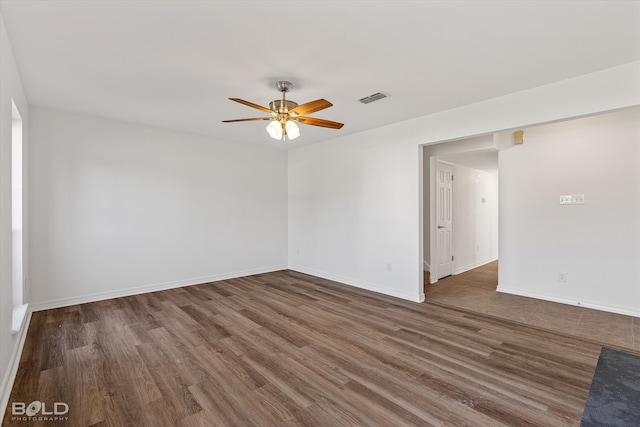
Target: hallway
x,y
475,291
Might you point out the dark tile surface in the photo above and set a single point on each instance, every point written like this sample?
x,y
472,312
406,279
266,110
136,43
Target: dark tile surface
x,y
614,397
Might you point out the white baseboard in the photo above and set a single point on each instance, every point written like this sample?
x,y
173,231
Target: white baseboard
x,y
63,302
468,267
14,362
585,304
426,266
360,284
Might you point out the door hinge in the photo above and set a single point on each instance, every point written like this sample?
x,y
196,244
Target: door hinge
x,y
452,257
451,177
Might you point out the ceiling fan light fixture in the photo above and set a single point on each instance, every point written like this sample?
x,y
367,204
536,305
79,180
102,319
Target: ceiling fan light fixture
x,y
286,114
275,129
293,131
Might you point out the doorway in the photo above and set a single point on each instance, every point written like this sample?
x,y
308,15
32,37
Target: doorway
x,y
460,209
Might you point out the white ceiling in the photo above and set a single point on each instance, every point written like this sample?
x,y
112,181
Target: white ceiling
x,y
173,64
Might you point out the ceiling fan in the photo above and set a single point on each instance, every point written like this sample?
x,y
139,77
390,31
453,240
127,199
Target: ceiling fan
x,y
285,114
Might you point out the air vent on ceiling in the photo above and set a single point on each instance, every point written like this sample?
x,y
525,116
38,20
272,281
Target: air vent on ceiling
x,y
371,98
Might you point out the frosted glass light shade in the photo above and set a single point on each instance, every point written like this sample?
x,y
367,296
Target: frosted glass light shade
x,y
275,129
292,130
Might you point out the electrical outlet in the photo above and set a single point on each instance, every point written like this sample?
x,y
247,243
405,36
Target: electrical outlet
x,y
562,277
389,266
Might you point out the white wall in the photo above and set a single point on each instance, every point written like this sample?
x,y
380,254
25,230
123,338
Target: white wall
x,y
475,218
10,88
355,203
120,208
596,244
349,216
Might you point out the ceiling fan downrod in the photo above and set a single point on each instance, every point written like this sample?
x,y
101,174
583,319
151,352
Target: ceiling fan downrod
x,y
281,111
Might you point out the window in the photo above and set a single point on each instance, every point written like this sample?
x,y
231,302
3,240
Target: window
x,y
19,308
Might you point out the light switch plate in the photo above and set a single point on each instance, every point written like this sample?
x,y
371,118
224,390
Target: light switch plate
x,y
575,199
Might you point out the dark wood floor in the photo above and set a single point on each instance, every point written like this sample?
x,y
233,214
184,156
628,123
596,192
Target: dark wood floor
x,y
285,349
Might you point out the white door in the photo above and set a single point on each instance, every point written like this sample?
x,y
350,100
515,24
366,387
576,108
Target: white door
x,y
444,199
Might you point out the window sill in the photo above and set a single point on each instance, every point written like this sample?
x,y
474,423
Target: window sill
x,y
17,319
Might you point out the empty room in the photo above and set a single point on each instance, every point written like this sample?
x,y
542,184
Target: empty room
x,y
319,213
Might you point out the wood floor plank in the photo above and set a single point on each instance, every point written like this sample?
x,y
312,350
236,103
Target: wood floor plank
x,y
168,381
289,349
86,397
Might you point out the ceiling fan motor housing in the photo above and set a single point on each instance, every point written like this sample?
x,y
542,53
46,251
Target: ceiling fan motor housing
x,y
281,106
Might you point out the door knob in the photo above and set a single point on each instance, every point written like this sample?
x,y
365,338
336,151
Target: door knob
x,y
441,226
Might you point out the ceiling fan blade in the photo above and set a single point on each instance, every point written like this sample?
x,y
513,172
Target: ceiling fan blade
x,y
319,122
310,107
251,104
248,120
